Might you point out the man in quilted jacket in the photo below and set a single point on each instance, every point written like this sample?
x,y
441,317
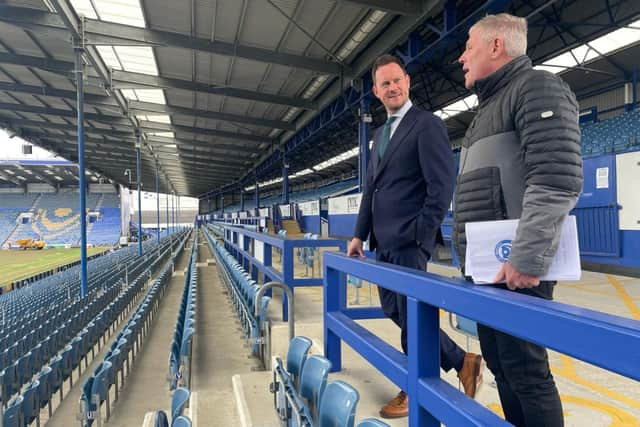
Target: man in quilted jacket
x,y
520,159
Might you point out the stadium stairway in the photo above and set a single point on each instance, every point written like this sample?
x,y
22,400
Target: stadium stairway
x,y
218,351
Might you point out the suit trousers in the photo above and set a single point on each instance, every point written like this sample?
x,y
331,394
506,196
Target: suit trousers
x,y
394,305
526,387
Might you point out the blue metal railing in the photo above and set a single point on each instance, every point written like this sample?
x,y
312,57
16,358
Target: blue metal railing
x,y
254,252
604,340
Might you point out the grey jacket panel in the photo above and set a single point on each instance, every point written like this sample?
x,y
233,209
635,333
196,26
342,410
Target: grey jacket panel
x,y
525,140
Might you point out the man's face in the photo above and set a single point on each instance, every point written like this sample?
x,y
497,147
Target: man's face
x,y
477,59
391,86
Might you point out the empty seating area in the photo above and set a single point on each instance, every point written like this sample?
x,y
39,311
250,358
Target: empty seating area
x,y
304,397
616,134
106,230
182,343
57,218
96,389
242,291
47,330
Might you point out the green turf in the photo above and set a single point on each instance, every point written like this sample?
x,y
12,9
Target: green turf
x,y
16,264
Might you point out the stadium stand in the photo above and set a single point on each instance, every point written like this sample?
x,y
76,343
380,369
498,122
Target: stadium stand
x,y
616,134
47,331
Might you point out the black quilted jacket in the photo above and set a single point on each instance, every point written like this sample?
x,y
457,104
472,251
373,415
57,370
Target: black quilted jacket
x,y
520,159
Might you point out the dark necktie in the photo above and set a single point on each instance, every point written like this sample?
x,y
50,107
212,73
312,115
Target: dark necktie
x,y
386,136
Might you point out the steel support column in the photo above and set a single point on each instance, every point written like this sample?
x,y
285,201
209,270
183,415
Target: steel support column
x,y
222,204
241,199
285,180
158,202
79,50
257,195
139,186
363,141
167,205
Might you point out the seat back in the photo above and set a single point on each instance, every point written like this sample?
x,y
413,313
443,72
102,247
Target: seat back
x,y
13,416
31,402
160,419
296,355
179,401
313,379
181,421
372,422
338,405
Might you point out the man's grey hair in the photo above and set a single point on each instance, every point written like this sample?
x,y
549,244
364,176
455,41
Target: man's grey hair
x,y
512,29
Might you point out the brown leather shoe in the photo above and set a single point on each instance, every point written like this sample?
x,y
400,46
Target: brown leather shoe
x,y
397,407
471,374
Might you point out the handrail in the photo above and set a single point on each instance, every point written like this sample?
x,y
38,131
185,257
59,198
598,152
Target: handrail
x,y
605,340
291,311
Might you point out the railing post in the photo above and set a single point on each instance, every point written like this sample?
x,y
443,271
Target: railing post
x,y
335,299
424,356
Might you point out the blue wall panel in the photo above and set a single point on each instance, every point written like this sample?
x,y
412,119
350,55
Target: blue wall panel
x,y
311,224
342,225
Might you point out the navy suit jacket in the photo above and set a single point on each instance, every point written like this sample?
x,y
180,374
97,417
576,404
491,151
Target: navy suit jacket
x,y
409,191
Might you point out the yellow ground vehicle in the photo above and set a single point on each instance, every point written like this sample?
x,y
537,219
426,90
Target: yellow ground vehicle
x,y
30,244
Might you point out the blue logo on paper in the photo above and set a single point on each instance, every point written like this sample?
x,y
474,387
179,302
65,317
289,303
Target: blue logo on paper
x,y
502,251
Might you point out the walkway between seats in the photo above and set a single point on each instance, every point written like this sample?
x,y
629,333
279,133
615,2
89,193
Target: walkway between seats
x,y
146,388
219,350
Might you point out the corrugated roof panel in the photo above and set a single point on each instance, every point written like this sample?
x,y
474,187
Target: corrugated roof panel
x,y
263,25
16,40
310,17
168,15
247,73
174,62
211,69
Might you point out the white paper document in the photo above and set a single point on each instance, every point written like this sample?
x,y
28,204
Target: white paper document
x,y
489,246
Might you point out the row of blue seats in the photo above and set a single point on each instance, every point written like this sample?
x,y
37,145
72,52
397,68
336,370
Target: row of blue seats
x,y
181,344
110,306
304,399
95,390
179,401
242,289
57,324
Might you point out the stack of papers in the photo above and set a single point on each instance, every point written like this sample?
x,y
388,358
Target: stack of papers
x,y
489,246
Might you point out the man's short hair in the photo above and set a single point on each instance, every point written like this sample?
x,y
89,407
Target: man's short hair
x,y
385,60
512,29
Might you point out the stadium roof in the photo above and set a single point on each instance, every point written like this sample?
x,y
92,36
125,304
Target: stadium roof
x,y
216,87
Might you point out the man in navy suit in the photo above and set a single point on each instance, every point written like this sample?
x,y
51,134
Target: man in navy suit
x,y
408,191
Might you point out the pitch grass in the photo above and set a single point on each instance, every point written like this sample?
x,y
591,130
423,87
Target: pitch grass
x,y
18,264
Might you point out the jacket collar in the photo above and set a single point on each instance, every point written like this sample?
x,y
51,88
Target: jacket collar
x,y
486,87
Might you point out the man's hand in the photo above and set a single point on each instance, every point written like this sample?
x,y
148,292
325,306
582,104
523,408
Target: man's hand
x,y
355,248
515,279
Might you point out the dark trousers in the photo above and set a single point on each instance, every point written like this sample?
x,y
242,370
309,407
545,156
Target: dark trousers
x,y
394,305
527,390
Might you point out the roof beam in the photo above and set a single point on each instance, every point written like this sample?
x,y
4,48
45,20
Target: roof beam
x,y
11,179
397,7
148,126
158,141
97,100
204,161
109,33
65,127
128,80
103,118
140,107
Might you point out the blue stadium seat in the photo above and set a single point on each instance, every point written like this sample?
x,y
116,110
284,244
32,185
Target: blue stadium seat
x,y
179,401
181,421
13,416
296,356
338,405
313,380
372,422
160,419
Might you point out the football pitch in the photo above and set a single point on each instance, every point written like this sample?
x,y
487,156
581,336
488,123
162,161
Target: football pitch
x,y
17,264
